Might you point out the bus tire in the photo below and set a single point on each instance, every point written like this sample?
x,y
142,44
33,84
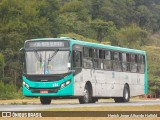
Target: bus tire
x,y
94,100
45,100
126,95
118,100
86,98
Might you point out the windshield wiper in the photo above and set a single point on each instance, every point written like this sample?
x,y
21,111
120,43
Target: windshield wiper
x,y
39,57
52,56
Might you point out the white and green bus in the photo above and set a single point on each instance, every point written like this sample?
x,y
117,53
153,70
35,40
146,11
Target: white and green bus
x,y
69,68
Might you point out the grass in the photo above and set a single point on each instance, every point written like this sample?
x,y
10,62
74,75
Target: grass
x,y
24,103
13,103
20,101
110,108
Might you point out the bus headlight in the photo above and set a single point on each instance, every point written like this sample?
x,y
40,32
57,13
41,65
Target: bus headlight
x,y
68,82
62,85
65,84
26,85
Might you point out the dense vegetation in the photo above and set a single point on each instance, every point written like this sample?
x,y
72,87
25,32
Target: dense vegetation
x,y
127,23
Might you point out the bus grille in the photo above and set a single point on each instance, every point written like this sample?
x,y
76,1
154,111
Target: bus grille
x,y
50,90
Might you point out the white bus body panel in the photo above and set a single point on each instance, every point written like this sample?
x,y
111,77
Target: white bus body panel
x,y
108,83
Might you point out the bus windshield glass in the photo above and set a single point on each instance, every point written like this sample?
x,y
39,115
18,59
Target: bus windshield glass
x,y
47,62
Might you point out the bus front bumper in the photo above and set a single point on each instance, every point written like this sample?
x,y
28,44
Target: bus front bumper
x,y
36,92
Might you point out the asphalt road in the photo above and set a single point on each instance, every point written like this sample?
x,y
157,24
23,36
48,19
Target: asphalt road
x,y
30,107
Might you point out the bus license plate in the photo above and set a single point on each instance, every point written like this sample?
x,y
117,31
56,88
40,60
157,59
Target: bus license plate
x,y
43,91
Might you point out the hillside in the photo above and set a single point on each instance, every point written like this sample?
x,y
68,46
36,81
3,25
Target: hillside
x,y
126,23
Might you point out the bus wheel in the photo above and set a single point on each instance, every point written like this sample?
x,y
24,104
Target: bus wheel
x,y
86,98
126,94
45,100
94,100
118,100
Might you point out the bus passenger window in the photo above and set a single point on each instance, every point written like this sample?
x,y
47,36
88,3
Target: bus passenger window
x,y
87,63
133,63
101,54
117,61
107,55
136,58
141,59
124,57
127,57
77,59
116,56
86,52
141,63
133,67
107,64
95,53
132,58
124,62
96,63
90,52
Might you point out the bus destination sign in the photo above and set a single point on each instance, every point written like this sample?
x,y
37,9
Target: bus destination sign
x,y
47,44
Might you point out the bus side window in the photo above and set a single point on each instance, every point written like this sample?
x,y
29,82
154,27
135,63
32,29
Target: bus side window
x,y
90,53
127,57
108,55
95,53
143,57
116,61
124,62
87,57
116,56
101,54
133,64
95,58
101,59
86,52
141,63
107,61
77,59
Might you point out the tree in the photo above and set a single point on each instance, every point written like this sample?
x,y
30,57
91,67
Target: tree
x,y
95,8
120,12
2,64
131,36
145,16
102,28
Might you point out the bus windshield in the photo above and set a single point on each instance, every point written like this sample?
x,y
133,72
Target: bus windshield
x,y
47,62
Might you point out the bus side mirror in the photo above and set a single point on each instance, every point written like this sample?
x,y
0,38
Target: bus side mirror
x,y
22,50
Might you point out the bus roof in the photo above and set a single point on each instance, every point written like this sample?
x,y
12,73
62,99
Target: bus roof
x,y
76,41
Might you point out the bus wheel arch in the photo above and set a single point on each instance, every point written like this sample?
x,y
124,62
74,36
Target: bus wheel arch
x,y
88,83
87,94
